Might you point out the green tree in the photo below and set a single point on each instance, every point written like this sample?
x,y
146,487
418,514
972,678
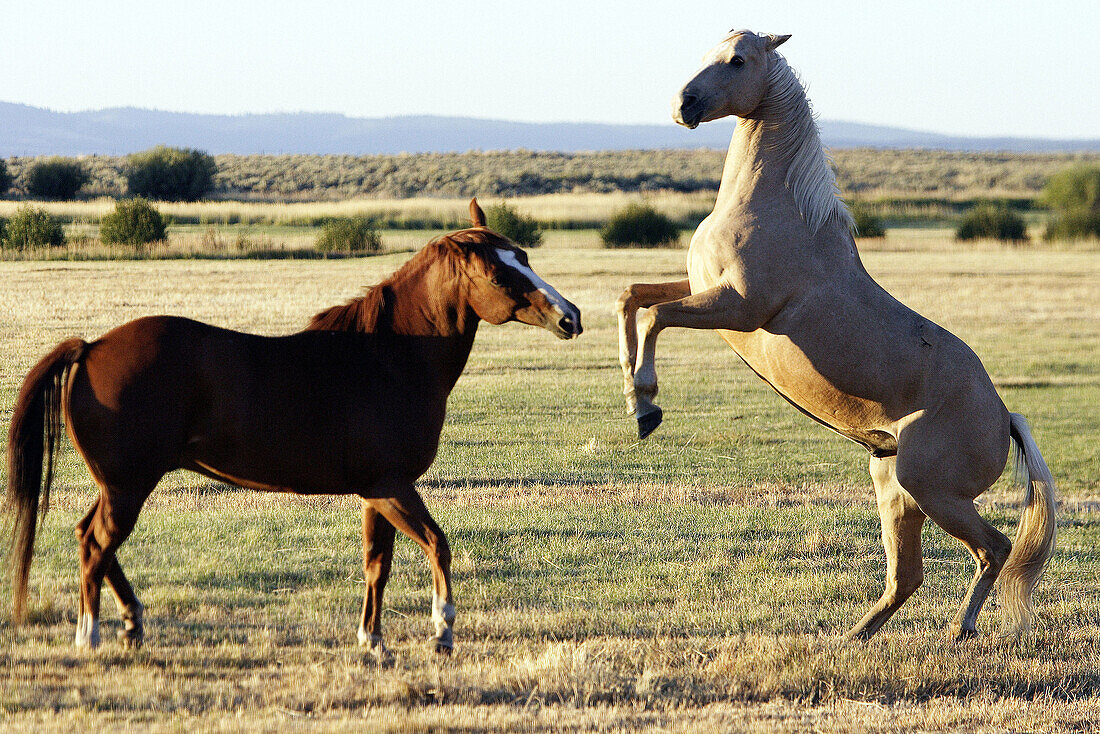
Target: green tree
x,y
992,220
170,174
32,227
521,229
133,222
55,178
5,177
867,222
640,225
1074,195
349,234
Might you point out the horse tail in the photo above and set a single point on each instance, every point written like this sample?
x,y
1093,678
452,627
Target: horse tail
x,y
32,440
1034,543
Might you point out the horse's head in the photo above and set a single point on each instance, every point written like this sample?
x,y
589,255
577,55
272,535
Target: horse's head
x,y
733,80
503,287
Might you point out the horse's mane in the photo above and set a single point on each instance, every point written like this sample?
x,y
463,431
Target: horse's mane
x,y
810,177
370,311
358,314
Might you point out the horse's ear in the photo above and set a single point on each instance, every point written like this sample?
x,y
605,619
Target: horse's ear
x,y
775,41
477,217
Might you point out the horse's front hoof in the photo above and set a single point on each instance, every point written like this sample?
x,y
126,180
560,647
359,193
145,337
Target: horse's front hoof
x,y
963,635
131,639
648,423
443,644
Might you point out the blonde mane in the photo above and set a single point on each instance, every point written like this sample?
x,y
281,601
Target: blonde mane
x,y
810,178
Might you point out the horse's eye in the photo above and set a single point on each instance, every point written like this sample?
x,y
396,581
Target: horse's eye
x,y
737,62
496,282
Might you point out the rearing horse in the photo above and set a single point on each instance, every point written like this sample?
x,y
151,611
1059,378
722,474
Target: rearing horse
x,y
352,405
774,268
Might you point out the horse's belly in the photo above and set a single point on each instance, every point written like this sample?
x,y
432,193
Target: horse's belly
x,y
829,399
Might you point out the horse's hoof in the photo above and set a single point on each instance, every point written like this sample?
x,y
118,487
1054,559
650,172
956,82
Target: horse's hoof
x,y
965,635
441,646
648,423
131,640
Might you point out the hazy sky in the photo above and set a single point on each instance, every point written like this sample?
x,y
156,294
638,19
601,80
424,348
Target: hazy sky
x,y
961,67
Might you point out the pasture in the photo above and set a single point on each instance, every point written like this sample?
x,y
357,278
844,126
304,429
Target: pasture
x,y
698,580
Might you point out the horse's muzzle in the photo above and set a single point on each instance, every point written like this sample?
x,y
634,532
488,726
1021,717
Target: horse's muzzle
x,y
687,110
569,326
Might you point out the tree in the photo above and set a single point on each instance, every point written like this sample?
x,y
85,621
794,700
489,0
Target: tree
x,y
640,225
55,178
170,174
521,229
133,222
1074,195
995,221
31,227
349,234
5,177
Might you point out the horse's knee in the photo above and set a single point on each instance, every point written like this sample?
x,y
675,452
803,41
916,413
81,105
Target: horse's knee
x,y
625,301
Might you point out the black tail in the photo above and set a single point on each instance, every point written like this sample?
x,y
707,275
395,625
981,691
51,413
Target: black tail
x,y
32,441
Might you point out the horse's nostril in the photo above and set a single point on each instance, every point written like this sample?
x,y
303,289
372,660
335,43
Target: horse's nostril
x,y
687,100
566,324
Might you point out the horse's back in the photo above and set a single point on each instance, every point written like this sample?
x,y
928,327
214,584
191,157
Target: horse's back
x,y
315,411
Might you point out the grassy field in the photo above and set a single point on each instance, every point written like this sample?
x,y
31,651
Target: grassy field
x,y
699,580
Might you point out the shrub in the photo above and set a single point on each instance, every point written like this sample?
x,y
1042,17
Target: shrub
x,y
1073,226
5,177
521,229
867,223
349,234
55,178
134,222
640,225
170,174
1074,189
989,220
1074,194
32,227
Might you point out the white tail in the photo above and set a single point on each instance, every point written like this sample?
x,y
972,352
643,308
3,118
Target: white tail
x,y
1034,544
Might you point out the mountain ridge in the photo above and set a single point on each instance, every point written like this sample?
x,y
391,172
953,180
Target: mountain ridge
x,y
33,131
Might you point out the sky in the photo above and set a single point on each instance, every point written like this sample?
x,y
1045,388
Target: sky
x,y
966,67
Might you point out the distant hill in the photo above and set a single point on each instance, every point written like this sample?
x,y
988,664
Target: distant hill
x,y
31,131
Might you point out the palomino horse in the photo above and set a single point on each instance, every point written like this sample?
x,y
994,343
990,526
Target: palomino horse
x,y
774,269
352,405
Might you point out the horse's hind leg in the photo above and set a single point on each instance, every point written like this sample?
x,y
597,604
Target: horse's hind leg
x,y
988,546
953,510
902,521
100,533
378,536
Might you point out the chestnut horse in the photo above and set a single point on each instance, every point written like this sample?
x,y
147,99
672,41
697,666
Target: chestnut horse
x,y
774,269
352,405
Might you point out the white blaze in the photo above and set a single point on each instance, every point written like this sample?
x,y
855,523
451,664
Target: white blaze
x,y
508,257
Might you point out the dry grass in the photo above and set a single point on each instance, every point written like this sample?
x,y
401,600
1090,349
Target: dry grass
x,y
698,581
560,208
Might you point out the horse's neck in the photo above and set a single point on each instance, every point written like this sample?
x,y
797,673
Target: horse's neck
x,y
442,316
425,306
776,162
755,169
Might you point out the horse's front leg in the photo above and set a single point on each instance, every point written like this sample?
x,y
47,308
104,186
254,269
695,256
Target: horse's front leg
x,y
639,295
378,535
716,308
405,510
